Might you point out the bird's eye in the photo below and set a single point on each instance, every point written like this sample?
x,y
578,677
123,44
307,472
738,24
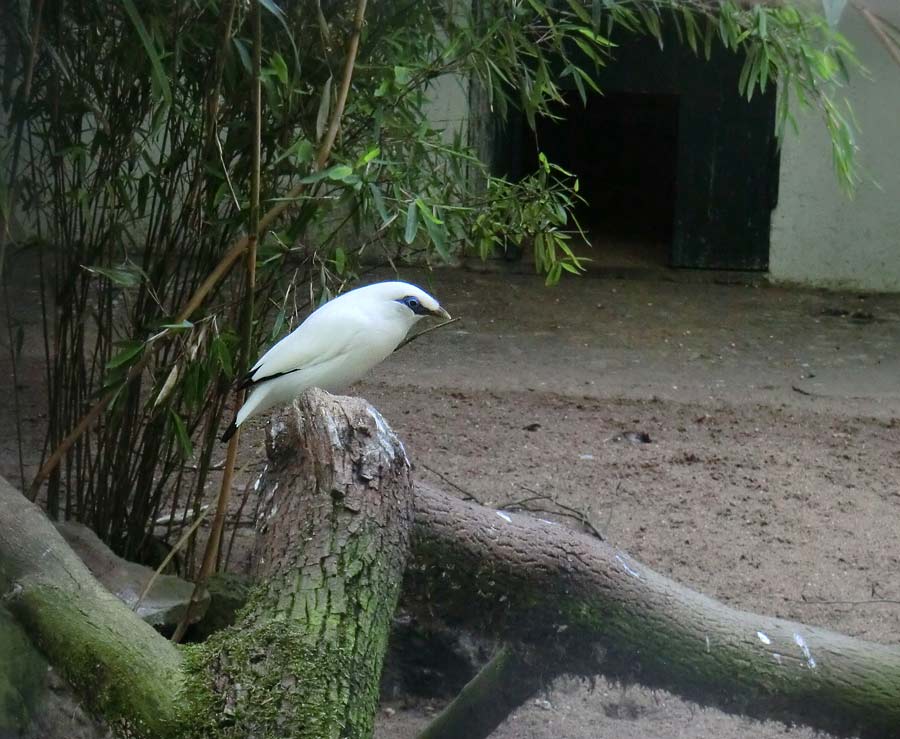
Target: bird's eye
x,y
412,303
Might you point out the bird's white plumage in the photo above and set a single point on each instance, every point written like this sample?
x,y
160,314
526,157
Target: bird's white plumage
x,y
336,345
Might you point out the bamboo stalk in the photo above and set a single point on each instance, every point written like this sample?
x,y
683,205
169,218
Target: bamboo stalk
x,y
34,39
235,251
213,544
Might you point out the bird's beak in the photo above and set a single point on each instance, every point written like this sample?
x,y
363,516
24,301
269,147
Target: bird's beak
x,y
441,313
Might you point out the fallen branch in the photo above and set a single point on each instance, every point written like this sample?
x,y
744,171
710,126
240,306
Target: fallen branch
x,y
121,667
524,580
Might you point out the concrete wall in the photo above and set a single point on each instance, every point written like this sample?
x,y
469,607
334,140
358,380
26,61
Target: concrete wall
x,y
447,104
819,236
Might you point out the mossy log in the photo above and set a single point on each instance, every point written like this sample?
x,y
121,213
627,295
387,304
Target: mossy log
x,y
123,669
526,580
305,657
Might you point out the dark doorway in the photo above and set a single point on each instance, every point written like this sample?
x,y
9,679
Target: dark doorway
x,y
676,166
623,148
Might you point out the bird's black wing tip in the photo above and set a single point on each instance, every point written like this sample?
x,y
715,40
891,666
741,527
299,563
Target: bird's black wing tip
x,y
229,432
245,381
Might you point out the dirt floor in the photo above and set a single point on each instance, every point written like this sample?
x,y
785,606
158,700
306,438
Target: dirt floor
x,y
770,480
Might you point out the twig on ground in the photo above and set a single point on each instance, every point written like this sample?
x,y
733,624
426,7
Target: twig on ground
x,y
565,511
458,488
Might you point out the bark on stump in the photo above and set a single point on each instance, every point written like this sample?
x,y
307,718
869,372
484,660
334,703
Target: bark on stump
x,y
304,660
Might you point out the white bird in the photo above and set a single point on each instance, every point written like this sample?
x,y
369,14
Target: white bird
x,y
335,346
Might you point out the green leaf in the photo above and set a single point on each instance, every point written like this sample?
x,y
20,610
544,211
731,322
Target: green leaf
x,y
301,150
553,274
426,212
690,28
368,157
130,351
602,41
580,11
438,235
181,434
243,54
401,74
160,81
222,353
340,260
128,275
412,223
378,199
278,325
338,172
582,93
182,326
324,112
279,66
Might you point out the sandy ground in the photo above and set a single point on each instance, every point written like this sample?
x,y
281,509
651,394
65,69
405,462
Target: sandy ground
x,y
771,479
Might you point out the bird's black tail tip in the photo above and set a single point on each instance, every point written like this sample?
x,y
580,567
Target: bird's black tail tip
x,y
229,432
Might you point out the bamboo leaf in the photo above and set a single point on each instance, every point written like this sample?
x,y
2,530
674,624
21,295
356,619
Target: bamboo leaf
x,y
125,276
324,110
412,223
438,235
130,352
579,10
279,66
181,434
340,260
243,55
368,157
222,353
378,200
160,80
167,387
339,172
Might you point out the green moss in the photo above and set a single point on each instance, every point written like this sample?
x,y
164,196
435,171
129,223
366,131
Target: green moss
x,y
267,682
124,670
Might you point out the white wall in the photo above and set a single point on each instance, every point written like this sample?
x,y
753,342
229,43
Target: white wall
x,y
819,236
447,104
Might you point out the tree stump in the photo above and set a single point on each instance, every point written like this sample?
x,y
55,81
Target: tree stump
x,y
305,657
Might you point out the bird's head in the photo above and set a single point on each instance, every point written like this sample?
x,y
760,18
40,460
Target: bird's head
x,y
412,302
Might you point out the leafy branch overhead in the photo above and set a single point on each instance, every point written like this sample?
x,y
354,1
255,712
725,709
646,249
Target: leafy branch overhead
x,y
129,150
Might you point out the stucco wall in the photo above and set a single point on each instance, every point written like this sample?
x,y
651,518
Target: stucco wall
x,y
447,104
819,236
